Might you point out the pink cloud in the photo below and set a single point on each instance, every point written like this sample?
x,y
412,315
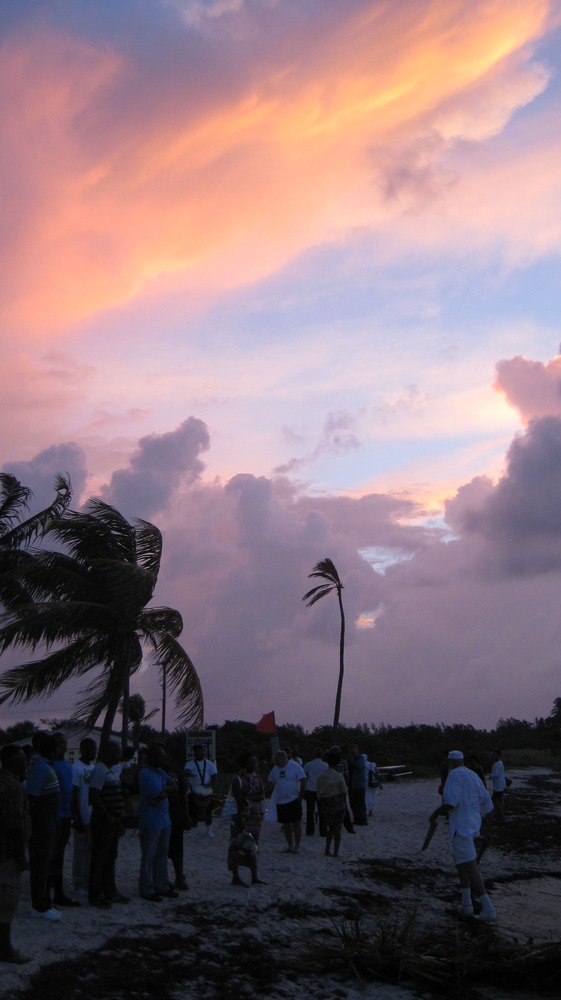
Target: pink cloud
x,y
115,179
531,387
465,629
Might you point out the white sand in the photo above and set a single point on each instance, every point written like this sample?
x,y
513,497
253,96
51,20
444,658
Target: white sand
x,y
396,832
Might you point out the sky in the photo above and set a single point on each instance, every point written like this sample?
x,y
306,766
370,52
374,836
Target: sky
x,y
282,276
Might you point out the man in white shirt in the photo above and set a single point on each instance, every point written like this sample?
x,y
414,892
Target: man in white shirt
x,y
465,801
312,769
201,774
289,779
82,814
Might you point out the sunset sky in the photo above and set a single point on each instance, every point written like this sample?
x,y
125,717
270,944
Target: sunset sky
x,y
282,276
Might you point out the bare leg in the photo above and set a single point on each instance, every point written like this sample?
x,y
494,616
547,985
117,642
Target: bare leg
x,y
287,830
297,835
328,839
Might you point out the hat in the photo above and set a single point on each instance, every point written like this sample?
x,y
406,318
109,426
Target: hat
x,y
455,755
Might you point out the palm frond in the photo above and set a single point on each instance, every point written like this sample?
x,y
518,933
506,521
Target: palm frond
x,y
182,678
326,570
38,524
152,621
316,593
148,546
53,622
126,587
41,678
14,498
56,576
99,531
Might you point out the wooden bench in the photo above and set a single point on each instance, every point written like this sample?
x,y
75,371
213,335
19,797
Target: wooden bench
x,y
393,771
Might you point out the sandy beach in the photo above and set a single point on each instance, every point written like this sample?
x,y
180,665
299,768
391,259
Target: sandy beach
x,y
217,940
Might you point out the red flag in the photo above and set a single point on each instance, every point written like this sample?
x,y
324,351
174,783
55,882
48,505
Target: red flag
x,y
266,723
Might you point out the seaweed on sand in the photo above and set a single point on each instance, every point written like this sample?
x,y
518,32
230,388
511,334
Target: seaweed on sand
x,y
395,951
161,966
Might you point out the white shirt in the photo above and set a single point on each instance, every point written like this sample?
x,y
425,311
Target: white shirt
x,y
200,772
498,776
81,780
287,781
312,769
469,799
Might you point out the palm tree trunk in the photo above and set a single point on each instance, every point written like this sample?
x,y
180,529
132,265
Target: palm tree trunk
x,y
341,666
121,695
110,714
125,729
164,694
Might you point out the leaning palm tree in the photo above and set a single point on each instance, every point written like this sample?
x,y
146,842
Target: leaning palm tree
x,y
326,571
18,531
90,613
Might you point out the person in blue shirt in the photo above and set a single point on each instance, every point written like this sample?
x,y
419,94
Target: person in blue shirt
x,y
154,827
63,771
43,795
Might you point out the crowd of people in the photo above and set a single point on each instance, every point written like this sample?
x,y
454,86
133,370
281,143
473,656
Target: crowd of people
x,y
44,798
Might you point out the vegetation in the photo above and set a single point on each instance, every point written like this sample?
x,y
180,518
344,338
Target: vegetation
x,y
85,603
326,571
18,530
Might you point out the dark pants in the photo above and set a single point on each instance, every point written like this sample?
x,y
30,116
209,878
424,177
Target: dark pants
x,y
57,863
347,822
42,811
357,799
311,805
200,809
41,847
105,847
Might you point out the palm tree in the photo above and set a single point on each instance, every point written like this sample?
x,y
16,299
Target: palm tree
x,y
18,531
326,571
90,611
138,716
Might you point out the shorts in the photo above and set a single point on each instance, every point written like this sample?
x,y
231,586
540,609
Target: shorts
x,y
463,849
289,812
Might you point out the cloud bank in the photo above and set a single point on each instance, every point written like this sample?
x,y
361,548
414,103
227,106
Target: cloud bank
x,y
464,615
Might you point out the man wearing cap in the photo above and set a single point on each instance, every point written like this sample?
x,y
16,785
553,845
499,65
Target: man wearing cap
x,y
465,801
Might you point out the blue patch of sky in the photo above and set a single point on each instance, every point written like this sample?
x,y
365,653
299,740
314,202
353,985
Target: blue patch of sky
x,y
381,557
528,293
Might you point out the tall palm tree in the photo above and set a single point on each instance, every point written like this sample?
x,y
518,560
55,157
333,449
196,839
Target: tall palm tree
x,y
90,612
326,571
18,531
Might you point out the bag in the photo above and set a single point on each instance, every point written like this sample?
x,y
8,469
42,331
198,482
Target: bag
x,y
508,782
373,781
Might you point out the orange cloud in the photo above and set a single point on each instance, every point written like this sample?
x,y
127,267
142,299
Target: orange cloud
x,y
110,188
